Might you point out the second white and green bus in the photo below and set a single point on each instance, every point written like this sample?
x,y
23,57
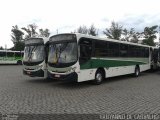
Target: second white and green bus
x,y
82,57
11,57
35,57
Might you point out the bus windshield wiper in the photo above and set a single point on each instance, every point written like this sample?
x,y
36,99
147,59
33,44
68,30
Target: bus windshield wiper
x,y
62,48
30,53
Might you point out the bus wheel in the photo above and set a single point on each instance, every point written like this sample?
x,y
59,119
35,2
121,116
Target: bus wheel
x,y
19,62
137,71
99,77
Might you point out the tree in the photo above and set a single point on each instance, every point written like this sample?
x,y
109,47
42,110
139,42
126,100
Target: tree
x,y
149,35
92,30
44,33
30,30
17,38
82,29
1,48
135,38
114,31
127,34
130,36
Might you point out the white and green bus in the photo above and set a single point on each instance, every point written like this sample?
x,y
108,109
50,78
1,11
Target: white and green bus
x,y
11,57
35,57
82,57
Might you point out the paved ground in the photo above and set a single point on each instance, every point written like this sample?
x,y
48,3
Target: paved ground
x,y
126,94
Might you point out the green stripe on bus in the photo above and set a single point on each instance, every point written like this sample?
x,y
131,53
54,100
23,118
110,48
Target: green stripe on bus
x,y
95,63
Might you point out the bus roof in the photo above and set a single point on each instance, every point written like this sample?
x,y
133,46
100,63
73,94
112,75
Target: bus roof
x,y
108,39
79,35
45,39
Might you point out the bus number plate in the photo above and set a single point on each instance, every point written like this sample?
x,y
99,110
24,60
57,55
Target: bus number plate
x,y
57,76
28,72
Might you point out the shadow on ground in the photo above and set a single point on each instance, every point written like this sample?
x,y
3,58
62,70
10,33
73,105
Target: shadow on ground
x,y
76,85
40,80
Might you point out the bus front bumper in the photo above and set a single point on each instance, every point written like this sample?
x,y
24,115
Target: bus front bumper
x,y
69,77
38,73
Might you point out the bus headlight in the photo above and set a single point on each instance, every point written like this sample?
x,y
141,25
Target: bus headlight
x,y
72,70
39,67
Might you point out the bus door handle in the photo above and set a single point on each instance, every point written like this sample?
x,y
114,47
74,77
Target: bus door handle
x,y
91,71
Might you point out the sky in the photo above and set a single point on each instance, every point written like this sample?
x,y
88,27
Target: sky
x,y
68,15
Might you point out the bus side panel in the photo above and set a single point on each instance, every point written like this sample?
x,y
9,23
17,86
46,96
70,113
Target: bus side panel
x,y
116,71
89,74
145,67
8,62
86,74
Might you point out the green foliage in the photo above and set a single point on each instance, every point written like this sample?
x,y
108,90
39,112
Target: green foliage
x,y
130,36
30,30
135,38
92,30
44,33
114,32
148,42
19,46
1,48
17,37
149,35
127,34
82,29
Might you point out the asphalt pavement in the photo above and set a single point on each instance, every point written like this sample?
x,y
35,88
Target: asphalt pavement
x,y
129,95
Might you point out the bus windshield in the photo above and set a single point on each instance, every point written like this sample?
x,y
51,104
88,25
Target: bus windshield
x,y
62,54
33,53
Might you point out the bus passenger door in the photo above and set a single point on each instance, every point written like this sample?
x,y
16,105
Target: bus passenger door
x,y
85,47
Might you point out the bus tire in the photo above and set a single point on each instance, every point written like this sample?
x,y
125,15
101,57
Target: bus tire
x,y
99,77
19,62
137,71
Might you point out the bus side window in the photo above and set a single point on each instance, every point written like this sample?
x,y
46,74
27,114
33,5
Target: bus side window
x,y
101,48
2,54
146,52
10,54
113,49
123,50
17,54
85,50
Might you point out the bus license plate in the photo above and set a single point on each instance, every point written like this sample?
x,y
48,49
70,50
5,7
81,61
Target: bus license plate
x,y
28,72
57,76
